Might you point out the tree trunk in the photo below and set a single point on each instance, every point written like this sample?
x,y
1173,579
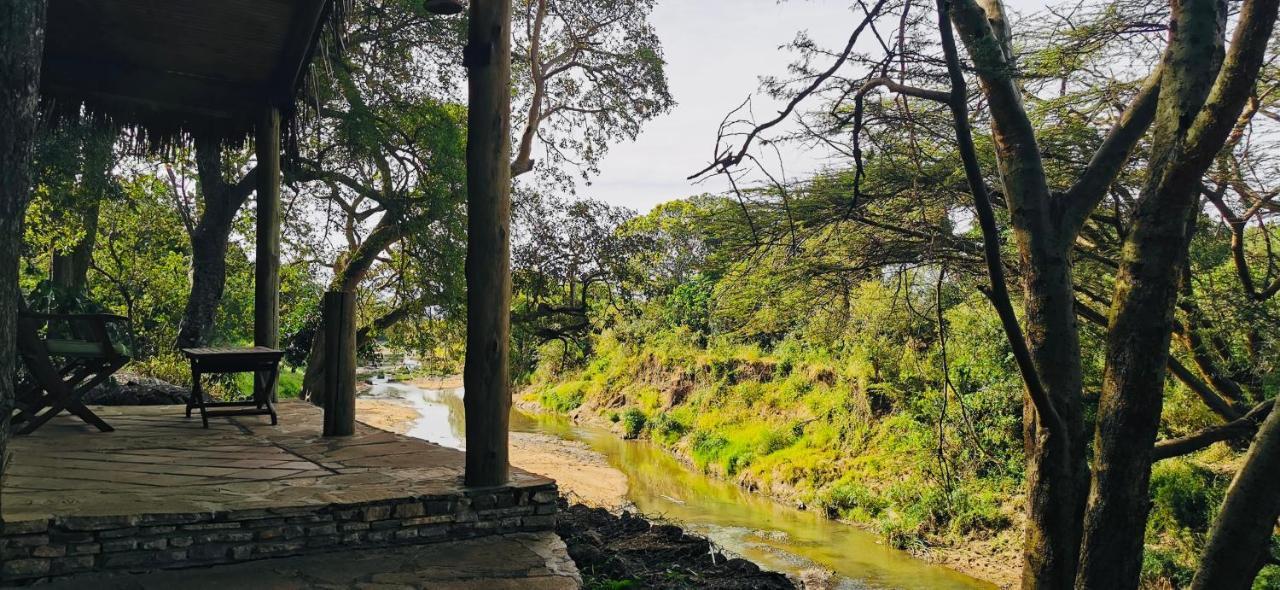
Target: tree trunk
x,y
340,370
1241,536
21,46
1057,475
486,373
209,240
1198,106
208,280
70,269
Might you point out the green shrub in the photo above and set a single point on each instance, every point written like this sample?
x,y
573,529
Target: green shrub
x,y
170,368
666,428
633,422
706,448
1184,495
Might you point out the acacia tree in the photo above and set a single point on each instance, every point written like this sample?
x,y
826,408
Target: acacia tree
x,y
1085,522
208,214
75,161
587,73
569,260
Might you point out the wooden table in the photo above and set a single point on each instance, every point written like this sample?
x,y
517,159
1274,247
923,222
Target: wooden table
x,y
259,360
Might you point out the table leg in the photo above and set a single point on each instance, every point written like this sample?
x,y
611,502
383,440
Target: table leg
x,y
197,393
195,387
273,376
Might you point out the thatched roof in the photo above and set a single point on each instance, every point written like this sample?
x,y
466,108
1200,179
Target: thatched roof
x,y
171,69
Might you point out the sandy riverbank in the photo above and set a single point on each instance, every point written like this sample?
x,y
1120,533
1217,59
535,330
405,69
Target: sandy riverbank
x,y
583,474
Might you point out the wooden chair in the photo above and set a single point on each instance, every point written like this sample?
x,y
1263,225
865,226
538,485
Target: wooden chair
x,y
89,355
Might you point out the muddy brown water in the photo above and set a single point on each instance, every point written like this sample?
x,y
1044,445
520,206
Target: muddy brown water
x,y
774,535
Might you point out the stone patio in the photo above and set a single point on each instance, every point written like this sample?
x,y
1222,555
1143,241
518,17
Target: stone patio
x,y
162,492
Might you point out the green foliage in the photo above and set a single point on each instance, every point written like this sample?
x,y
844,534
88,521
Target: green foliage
x,y
689,305
170,368
835,395
633,422
1185,497
564,397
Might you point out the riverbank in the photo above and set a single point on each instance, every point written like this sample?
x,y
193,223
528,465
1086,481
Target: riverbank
x,y
816,551
627,551
994,559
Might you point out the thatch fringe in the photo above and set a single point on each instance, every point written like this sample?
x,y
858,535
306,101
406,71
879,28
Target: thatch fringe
x,y
330,41
151,132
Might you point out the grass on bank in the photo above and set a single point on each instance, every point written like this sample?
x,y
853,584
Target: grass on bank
x,y
860,440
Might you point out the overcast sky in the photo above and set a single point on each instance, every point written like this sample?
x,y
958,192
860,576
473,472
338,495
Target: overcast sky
x,y
716,51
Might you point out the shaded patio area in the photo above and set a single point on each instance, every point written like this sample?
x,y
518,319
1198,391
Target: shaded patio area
x,y
162,492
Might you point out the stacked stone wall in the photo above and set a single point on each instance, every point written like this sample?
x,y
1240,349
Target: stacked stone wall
x,y
37,549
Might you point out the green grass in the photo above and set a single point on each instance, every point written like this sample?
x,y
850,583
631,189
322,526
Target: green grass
x,y
855,435
564,397
288,385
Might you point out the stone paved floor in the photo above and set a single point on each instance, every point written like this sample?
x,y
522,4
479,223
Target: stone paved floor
x,y
532,561
159,461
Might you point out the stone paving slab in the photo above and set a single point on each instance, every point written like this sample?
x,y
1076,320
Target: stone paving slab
x,y
163,493
532,561
159,461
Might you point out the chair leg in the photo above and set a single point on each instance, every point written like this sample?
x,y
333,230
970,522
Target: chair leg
x,y
35,421
78,408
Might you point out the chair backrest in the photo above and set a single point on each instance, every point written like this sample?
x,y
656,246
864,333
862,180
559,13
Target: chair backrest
x,y
32,347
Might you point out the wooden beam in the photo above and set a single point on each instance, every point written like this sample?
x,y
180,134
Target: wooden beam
x,y
340,363
486,374
304,34
266,282
135,87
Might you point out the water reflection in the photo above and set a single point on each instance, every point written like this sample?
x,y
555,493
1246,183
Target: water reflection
x,y
441,421
776,536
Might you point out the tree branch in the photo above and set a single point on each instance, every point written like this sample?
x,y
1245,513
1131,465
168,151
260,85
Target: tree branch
x,y
1089,190
731,158
998,293
1242,427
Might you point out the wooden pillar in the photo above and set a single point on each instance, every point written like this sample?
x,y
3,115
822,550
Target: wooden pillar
x,y
486,374
266,280
21,46
340,363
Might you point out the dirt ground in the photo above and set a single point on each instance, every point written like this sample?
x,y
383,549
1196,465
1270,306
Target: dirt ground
x,y
583,475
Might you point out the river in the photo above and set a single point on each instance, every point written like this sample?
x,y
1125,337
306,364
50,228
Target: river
x,y
771,534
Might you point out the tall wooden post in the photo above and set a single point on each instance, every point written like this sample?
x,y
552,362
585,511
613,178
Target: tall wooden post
x,y
486,375
266,281
340,363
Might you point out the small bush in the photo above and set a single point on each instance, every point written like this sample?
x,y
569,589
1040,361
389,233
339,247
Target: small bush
x,y
1184,495
633,422
706,448
666,428
170,368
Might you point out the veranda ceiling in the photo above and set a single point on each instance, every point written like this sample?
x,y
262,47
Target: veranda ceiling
x,y
178,67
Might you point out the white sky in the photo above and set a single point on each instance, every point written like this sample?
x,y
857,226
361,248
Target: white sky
x,y
716,51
